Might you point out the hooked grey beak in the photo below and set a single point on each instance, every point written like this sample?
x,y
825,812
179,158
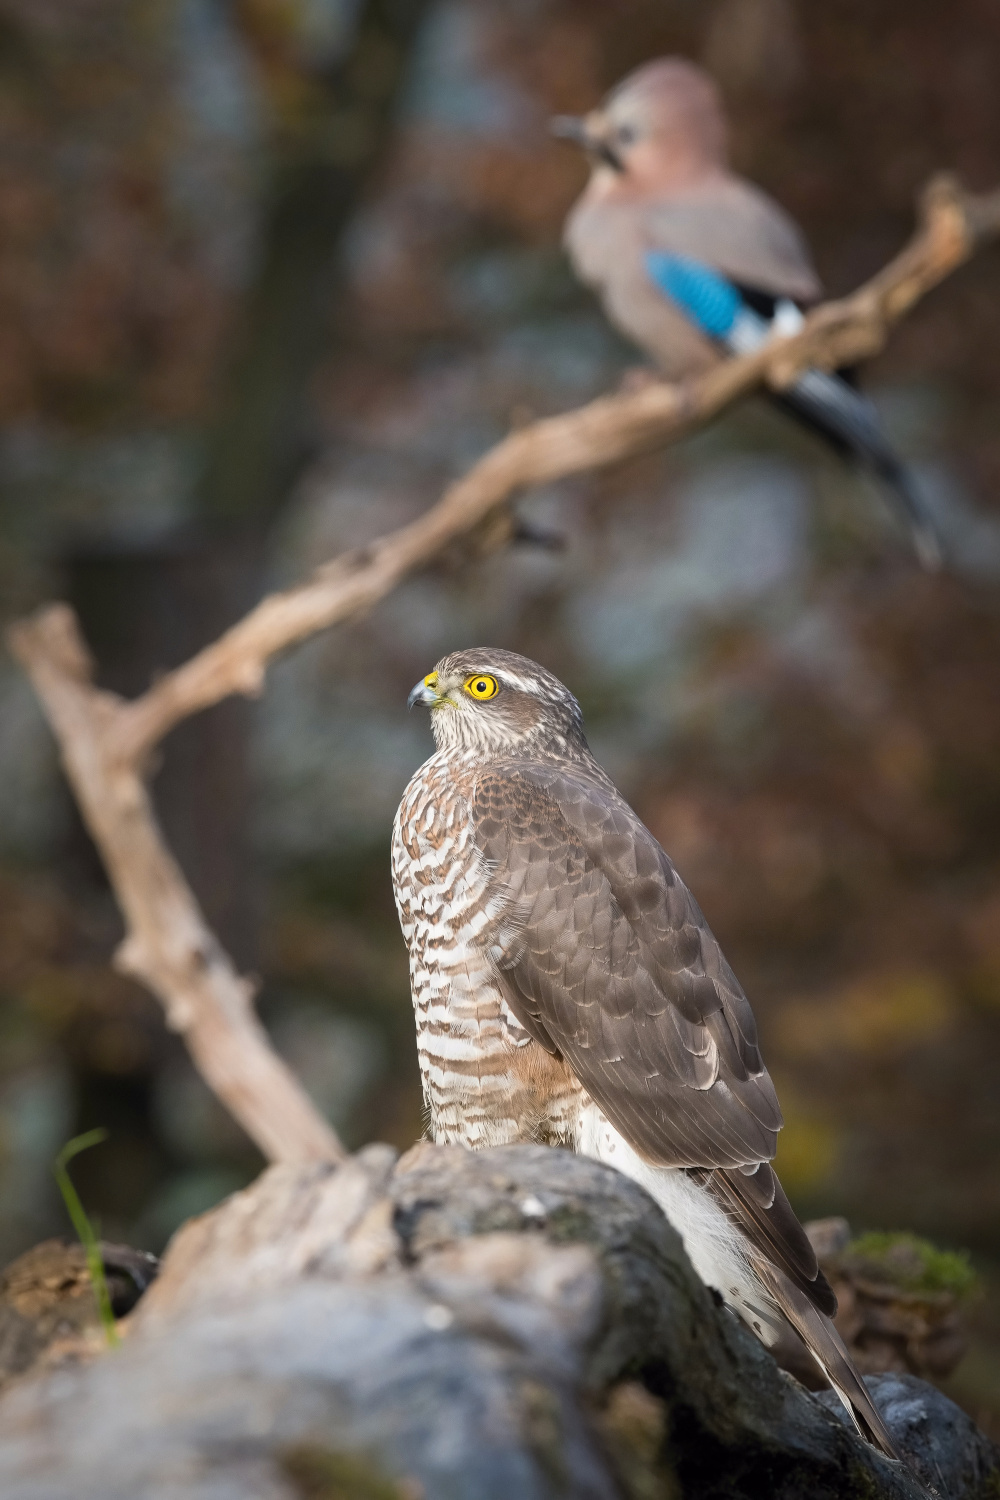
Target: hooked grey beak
x,y
423,693
574,128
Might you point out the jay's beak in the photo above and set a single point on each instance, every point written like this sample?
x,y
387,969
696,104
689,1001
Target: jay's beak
x,y
569,128
575,128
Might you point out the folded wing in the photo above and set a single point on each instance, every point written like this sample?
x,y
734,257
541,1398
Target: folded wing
x,y
606,958
609,960
739,231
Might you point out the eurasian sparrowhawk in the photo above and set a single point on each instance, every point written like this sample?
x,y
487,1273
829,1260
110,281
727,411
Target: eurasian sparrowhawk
x,y
568,989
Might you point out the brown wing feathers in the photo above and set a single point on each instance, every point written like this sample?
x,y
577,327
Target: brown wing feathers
x,y
615,965
615,968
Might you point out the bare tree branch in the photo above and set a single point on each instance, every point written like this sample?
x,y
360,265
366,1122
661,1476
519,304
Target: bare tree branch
x,y
105,742
601,433
168,946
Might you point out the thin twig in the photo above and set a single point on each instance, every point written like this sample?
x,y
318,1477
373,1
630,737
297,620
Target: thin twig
x,y
169,945
105,742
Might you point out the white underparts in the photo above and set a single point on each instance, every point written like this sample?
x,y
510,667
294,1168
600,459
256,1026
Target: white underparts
x,y
715,1247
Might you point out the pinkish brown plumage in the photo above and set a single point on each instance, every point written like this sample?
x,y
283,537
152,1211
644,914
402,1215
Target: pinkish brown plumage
x,y
666,182
663,209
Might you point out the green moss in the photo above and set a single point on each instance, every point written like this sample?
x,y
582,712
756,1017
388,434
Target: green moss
x,y
570,1224
912,1263
325,1474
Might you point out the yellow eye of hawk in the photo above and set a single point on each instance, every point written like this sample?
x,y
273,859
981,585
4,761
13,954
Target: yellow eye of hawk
x,y
480,686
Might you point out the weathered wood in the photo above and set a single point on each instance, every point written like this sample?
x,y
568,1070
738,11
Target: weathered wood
x,y
48,1305
457,1326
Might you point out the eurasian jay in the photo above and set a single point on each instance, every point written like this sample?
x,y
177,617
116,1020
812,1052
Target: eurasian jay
x,y
692,262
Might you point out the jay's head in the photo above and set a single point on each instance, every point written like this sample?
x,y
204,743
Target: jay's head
x,y
664,123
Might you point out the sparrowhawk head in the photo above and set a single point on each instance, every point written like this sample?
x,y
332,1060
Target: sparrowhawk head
x,y
496,702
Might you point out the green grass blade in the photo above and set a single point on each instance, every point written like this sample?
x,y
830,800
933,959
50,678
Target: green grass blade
x,y
84,1228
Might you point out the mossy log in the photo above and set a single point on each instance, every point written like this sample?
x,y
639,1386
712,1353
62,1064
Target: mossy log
x,y
515,1323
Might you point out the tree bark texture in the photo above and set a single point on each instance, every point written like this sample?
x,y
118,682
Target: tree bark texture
x,y
454,1326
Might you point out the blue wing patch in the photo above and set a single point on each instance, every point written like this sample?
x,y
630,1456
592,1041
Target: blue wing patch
x,y
706,297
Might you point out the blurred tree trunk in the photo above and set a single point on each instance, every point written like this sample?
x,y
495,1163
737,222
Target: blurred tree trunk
x,y
145,610
329,143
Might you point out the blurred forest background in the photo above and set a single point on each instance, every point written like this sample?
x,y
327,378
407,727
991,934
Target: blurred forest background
x,y
271,273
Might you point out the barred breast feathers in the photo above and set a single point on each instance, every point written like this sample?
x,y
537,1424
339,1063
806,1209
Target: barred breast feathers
x,y
485,1080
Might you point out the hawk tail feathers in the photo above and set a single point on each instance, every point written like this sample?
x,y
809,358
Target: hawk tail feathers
x,y
753,1199
830,1353
785,1263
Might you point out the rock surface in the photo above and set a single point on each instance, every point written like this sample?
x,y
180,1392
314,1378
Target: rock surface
x,y
47,1301
941,1441
453,1327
